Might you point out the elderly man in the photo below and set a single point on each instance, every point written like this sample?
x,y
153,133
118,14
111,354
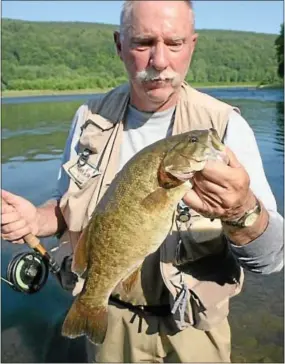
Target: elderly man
x,y
156,43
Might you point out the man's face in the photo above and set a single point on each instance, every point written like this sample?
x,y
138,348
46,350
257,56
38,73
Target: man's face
x,y
157,49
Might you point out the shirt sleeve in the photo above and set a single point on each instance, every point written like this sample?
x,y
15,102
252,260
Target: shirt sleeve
x,y
265,254
70,151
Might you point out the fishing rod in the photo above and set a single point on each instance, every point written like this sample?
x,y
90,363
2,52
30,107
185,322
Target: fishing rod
x,y
28,272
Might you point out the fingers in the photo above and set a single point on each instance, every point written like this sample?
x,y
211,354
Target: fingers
x,y
193,200
219,190
208,187
216,172
219,172
11,220
205,204
6,208
12,233
8,197
14,226
9,217
18,241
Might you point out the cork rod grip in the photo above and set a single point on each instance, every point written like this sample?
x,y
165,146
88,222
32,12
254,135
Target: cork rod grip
x,y
35,243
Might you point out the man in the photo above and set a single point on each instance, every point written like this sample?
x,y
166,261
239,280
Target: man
x,y
195,272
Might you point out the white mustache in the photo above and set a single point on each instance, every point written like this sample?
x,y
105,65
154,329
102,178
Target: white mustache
x,y
152,74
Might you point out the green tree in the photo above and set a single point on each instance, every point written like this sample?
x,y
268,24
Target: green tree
x,y
279,44
72,55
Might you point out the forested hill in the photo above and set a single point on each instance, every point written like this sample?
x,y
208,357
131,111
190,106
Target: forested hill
x,y
71,55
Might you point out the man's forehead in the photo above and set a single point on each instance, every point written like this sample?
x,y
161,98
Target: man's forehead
x,y
161,28
167,6
147,36
157,32
161,22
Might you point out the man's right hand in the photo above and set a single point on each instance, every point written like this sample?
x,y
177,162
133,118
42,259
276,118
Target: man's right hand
x,y
19,217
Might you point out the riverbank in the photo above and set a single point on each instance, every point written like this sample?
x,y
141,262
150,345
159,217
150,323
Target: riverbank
x,y
23,93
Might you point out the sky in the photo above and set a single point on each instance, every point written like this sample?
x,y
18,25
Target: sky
x,y
258,16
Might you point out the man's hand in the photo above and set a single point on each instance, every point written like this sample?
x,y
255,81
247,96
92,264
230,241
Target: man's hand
x,y
18,217
221,191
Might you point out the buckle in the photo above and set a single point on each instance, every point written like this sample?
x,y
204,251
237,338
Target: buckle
x,y
183,212
82,160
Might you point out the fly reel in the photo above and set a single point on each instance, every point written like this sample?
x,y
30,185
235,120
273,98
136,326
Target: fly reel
x,y
28,272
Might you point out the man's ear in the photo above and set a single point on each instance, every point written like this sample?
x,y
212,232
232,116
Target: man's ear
x,y
194,39
118,44
193,43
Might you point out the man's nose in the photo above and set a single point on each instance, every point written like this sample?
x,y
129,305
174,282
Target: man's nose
x,y
159,56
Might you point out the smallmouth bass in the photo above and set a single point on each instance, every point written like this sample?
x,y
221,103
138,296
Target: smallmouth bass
x,y
132,220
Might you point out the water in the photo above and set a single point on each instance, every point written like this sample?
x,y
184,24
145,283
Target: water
x,y
34,130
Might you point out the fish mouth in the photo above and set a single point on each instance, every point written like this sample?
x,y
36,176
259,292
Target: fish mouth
x,y
181,175
185,173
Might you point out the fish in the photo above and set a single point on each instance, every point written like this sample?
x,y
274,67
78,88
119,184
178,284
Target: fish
x,y
131,221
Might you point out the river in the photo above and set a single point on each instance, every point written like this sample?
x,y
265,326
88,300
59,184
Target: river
x,y
34,130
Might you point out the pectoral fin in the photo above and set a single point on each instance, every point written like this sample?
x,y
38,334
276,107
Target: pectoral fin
x,y
155,200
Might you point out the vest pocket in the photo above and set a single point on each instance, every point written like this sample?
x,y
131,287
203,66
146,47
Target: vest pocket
x,y
94,136
210,303
206,292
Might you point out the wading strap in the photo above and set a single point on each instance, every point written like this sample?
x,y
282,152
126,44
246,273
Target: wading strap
x,y
157,310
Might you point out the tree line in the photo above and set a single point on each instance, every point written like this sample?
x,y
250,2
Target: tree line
x,y
74,55
279,44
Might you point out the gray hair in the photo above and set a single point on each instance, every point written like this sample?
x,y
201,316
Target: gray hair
x,y
127,11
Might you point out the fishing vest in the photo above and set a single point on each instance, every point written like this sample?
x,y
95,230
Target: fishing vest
x,y
193,269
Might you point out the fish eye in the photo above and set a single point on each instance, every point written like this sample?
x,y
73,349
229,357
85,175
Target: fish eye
x,y
193,139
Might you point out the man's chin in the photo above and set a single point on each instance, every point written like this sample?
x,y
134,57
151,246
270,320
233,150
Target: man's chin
x,y
159,95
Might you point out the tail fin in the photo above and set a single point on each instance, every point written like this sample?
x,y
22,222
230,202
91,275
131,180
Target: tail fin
x,y
84,320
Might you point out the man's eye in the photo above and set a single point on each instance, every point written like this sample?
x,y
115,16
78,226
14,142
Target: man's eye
x,y
175,46
142,45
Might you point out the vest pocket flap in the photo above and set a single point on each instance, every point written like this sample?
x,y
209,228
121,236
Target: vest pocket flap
x,y
99,121
222,281
94,137
208,294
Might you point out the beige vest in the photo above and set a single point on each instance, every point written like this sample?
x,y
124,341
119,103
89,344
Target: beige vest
x,y
195,263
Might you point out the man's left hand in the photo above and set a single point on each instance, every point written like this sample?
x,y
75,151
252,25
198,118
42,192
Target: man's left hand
x,y
221,191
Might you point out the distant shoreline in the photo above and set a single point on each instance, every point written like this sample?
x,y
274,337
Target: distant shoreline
x,y
24,93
